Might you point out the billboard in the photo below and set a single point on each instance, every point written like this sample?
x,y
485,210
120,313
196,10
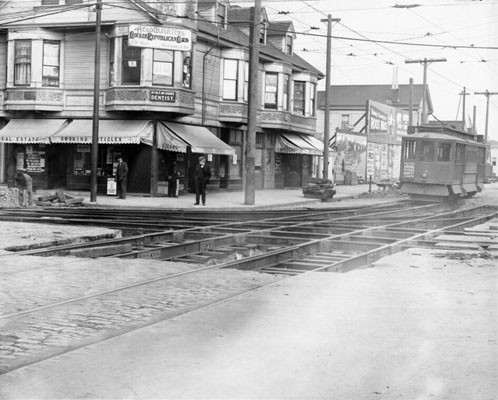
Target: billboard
x,y
160,37
385,127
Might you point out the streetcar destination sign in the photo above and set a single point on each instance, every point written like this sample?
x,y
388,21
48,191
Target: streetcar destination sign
x,y
160,37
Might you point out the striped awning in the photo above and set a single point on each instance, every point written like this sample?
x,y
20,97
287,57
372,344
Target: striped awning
x,y
110,132
199,138
292,143
31,131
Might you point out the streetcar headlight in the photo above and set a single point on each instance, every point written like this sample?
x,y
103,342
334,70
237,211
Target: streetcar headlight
x,y
424,174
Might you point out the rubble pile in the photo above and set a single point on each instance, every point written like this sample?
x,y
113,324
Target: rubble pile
x,y
9,197
319,189
59,199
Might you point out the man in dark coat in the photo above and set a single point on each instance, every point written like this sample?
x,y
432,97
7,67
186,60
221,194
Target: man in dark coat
x,y
121,178
201,178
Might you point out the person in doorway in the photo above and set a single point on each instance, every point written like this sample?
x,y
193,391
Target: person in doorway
x,y
201,177
121,178
173,180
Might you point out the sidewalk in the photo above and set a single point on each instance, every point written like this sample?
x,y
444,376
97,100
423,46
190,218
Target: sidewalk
x,y
222,199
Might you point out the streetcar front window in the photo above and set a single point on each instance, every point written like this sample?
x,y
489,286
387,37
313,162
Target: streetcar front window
x,y
426,151
443,151
409,151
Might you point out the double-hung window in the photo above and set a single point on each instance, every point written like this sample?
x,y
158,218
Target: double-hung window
x,y
299,97
313,100
187,70
246,80
230,73
22,63
285,98
271,90
130,64
51,63
162,67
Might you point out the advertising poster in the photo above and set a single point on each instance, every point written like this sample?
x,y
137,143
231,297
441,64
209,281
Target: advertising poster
x,y
351,154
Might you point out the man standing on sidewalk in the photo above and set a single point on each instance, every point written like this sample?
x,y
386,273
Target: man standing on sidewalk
x,y
201,178
121,178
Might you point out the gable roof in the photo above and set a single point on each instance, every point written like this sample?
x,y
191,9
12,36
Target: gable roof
x,y
233,36
242,15
280,28
355,96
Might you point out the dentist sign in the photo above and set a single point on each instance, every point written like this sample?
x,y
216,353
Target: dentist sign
x,y
160,37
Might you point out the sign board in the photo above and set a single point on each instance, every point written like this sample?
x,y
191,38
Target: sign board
x,y
162,95
160,37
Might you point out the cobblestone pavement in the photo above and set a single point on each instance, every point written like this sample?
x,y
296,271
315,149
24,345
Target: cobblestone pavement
x,y
39,318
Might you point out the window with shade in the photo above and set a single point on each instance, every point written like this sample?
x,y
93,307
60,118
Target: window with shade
x,y
22,63
51,63
230,73
271,90
162,67
285,99
187,70
299,98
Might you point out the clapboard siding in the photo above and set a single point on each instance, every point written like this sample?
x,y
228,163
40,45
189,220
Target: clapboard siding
x,y
3,60
79,59
212,73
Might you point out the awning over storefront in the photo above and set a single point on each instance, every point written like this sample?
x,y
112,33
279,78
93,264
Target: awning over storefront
x,y
110,132
167,140
31,131
316,143
201,139
292,143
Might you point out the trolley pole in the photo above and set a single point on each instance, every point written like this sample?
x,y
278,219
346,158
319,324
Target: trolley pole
x,y
425,61
326,132
464,93
487,94
252,107
96,98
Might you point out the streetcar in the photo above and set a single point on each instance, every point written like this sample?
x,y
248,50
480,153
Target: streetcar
x,y
439,163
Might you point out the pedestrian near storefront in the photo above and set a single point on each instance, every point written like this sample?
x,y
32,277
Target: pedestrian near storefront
x,y
201,178
173,180
25,185
121,178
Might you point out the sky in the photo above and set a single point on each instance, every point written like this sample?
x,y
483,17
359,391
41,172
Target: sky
x,y
464,32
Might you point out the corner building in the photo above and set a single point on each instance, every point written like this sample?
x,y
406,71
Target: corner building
x,y
162,103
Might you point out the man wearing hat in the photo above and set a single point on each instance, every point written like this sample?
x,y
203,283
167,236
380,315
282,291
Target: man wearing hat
x,y
201,179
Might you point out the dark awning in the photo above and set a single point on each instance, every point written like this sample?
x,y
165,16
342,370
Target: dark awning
x,y
292,143
200,139
110,132
31,131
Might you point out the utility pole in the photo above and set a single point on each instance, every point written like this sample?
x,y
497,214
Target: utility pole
x,y
96,98
326,132
252,107
410,116
464,93
487,94
425,61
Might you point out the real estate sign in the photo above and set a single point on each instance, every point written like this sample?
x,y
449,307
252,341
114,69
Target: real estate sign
x,y
160,37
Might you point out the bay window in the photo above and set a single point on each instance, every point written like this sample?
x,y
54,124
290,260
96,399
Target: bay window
x,y
51,63
299,97
22,63
271,90
162,67
245,65
230,73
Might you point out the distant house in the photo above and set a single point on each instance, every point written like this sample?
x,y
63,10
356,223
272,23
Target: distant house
x,y
348,104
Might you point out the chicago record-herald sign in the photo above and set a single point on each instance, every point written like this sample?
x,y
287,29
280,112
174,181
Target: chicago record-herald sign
x,y
160,37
